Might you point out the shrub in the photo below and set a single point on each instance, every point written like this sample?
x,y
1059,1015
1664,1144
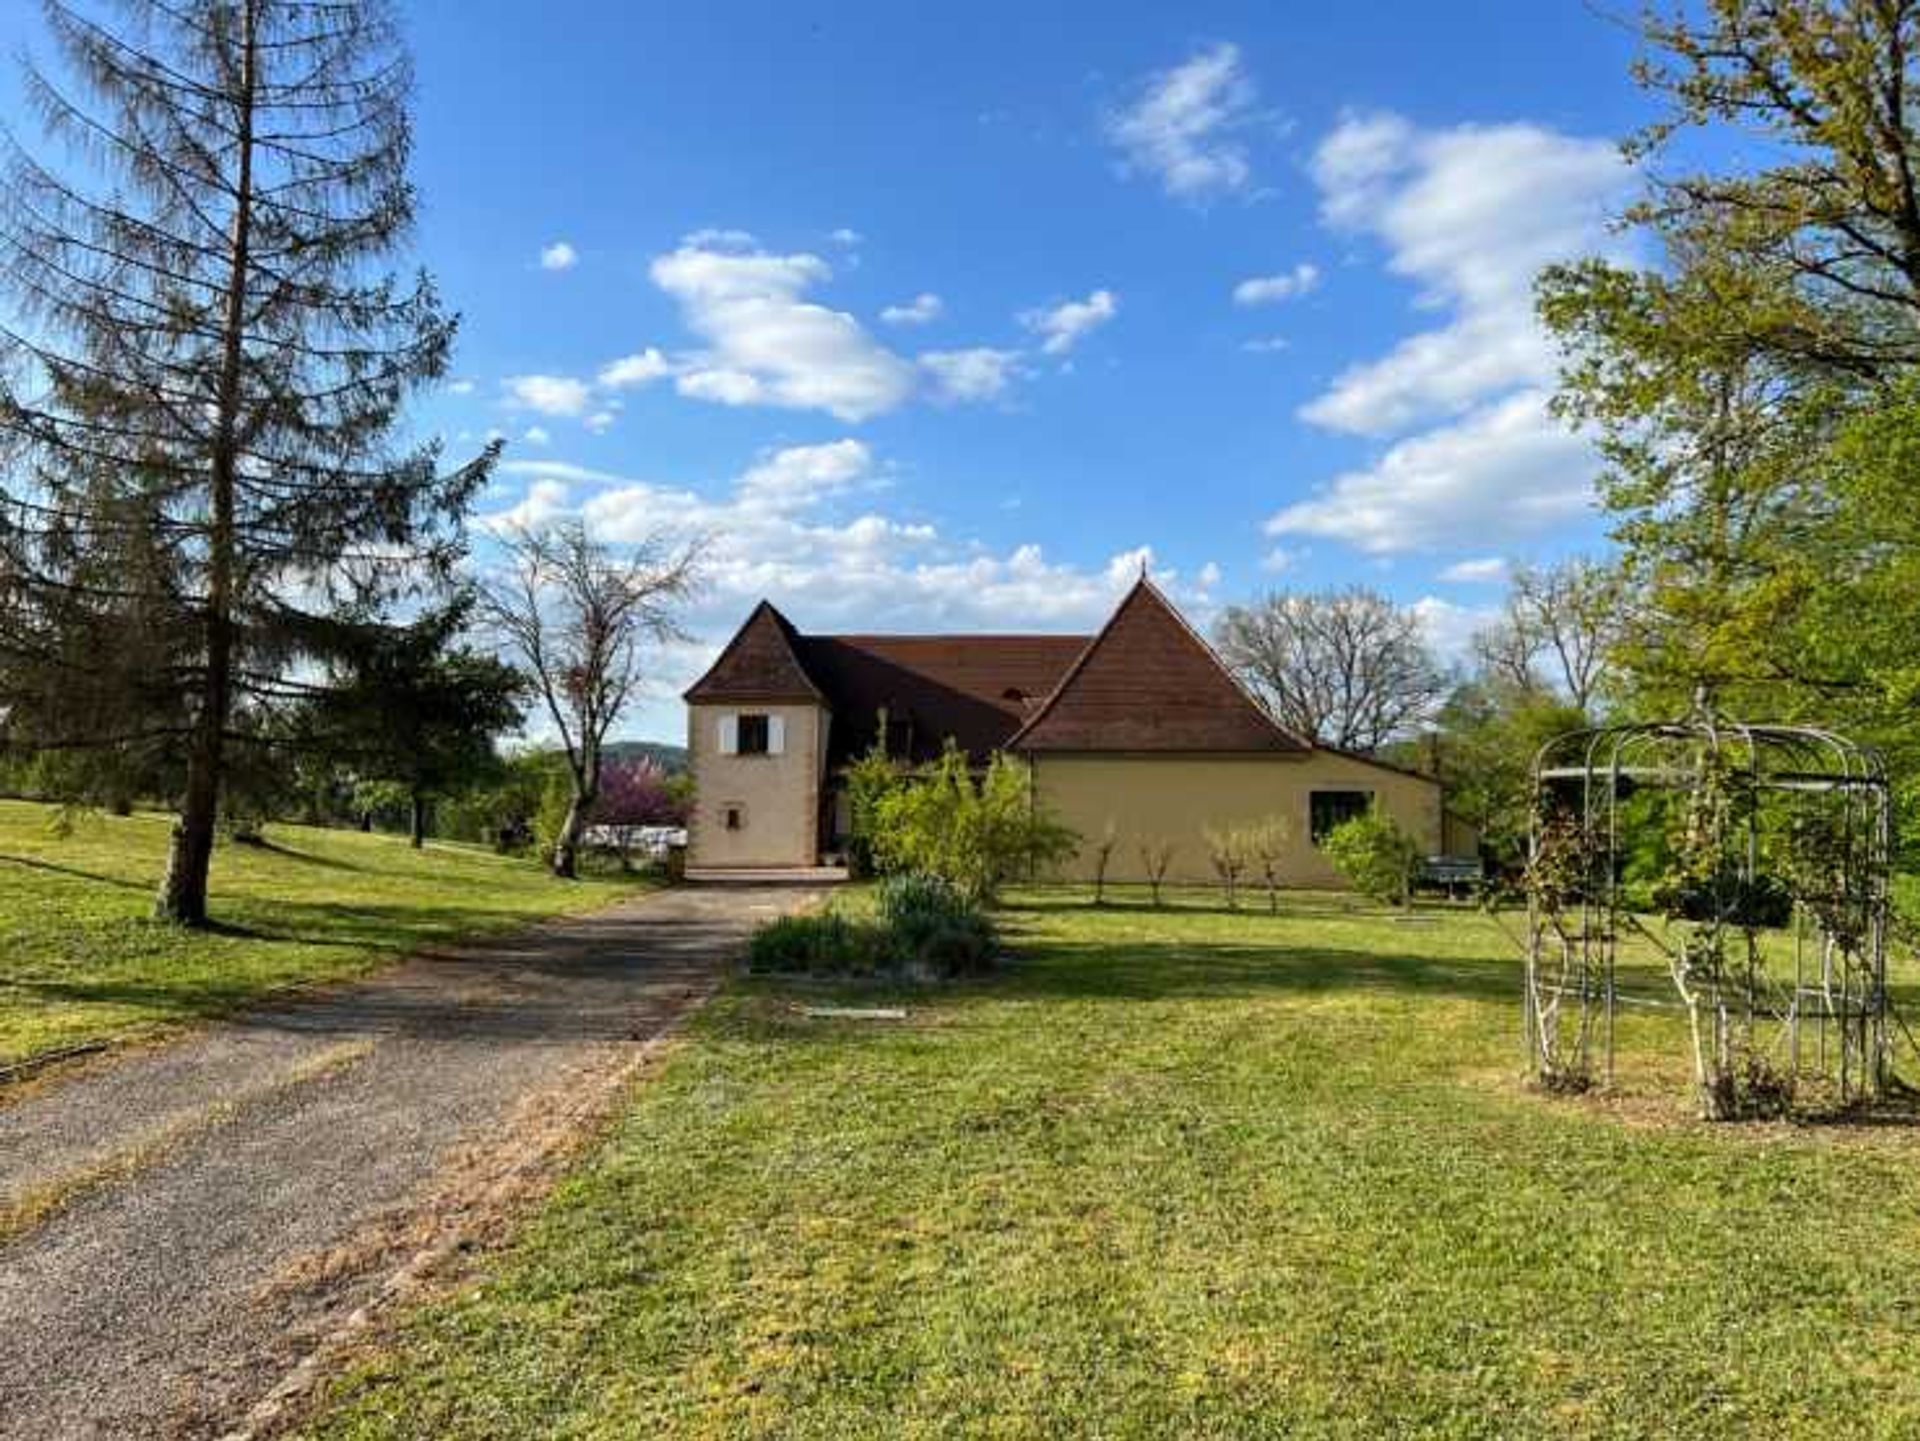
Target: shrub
x,y
926,923
916,898
1374,855
823,943
923,927
870,780
974,835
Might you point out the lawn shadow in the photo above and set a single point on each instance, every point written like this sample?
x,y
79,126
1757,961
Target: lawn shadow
x,y
74,872
1237,969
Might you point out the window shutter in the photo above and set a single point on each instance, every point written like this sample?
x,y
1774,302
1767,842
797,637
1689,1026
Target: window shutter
x,y
776,735
729,735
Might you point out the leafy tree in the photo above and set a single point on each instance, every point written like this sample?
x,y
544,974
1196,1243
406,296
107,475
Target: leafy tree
x,y
1819,246
635,794
975,835
503,809
1374,855
202,388
870,779
412,708
1483,749
1752,391
1346,668
576,614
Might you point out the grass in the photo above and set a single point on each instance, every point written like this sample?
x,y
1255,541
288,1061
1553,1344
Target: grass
x,y
80,960
1180,1173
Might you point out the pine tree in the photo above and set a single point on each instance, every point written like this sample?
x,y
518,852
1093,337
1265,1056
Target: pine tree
x,y
203,382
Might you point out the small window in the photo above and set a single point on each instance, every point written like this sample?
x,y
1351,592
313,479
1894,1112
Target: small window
x,y
753,735
1328,809
736,818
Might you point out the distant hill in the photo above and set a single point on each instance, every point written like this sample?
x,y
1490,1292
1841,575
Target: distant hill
x,y
667,756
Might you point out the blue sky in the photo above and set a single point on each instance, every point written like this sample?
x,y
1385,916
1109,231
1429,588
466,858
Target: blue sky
x,y
934,318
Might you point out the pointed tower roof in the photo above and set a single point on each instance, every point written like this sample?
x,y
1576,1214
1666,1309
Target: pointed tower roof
x,y
761,663
1148,682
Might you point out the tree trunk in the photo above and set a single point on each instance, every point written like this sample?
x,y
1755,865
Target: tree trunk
x,y
183,890
417,821
565,862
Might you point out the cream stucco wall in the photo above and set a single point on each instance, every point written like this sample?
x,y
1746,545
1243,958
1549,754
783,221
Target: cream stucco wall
x,y
778,796
1175,798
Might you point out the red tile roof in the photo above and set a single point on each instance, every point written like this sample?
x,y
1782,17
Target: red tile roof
x,y
1148,682
977,689
761,663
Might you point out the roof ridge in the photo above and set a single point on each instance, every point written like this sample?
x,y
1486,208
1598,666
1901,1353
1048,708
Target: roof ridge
x,y
788,633
1145,586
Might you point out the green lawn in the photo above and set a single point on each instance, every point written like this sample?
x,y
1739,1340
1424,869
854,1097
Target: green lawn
x,y
80,960
1180,1174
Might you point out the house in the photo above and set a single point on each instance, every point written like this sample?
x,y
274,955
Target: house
x,y
1140,727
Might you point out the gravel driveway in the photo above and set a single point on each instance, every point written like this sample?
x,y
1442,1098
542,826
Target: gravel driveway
x,y
210,1211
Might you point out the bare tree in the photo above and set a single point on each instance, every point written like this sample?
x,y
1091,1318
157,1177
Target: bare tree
x,y
1156,858
1560,625
1345,668
576,614
1227,852
1102,852
1266,843
201,384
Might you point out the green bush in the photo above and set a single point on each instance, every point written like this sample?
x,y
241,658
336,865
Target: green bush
x,y
929,924
1374,855
923,927
823,943
976,835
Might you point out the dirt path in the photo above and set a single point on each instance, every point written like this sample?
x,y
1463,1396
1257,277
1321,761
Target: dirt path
x,y
180,1229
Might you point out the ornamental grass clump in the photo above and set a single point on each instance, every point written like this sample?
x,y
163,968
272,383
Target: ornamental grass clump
x,y
923,928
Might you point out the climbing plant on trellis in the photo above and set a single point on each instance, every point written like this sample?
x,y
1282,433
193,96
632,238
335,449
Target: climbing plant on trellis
x,y
1753,861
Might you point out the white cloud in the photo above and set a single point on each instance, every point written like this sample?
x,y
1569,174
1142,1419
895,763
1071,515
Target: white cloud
x,y
1477,571
1504,471
768,345
545,500
846,235
803,475
1266,345
777,531
981,373
641,368
1450,628
600,422
1183,128
537,435
924,307
713,238
460,387
1471,214
1061,327
559,256
1271,289
550,394
1279,558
